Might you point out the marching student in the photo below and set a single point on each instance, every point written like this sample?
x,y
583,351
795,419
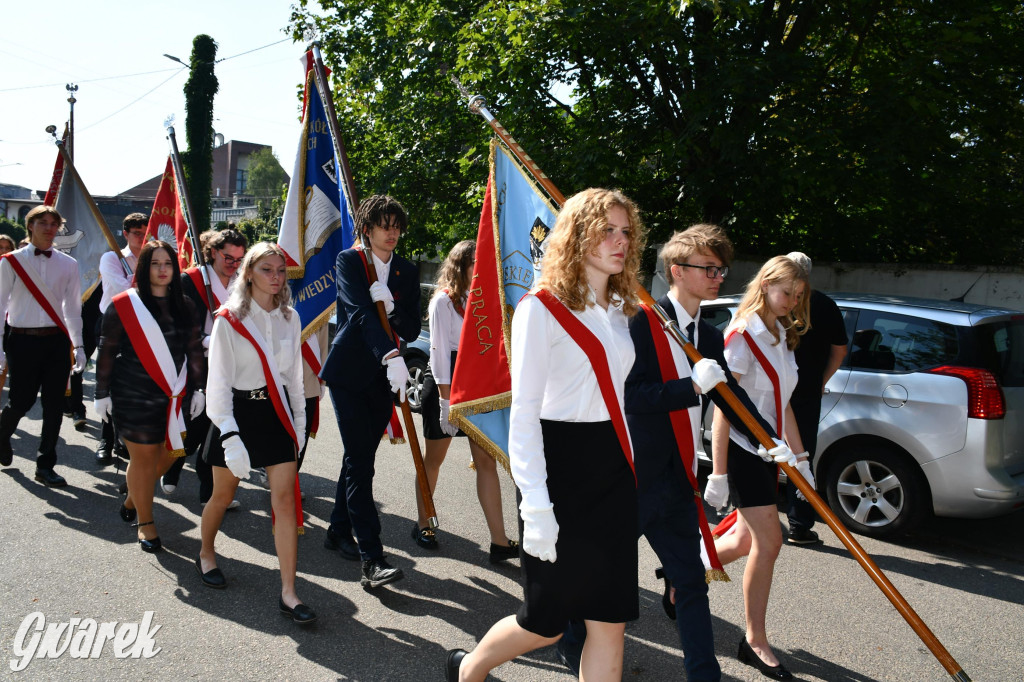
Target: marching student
x,y
114,280
363,369
41,299
759,343
150,357
445,314
223,251
569,446
256,402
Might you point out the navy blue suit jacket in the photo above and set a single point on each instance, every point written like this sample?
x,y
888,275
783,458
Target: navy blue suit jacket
x,y
357,351
649,401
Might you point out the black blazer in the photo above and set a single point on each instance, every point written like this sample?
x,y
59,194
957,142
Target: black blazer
x,y
649,401
357,351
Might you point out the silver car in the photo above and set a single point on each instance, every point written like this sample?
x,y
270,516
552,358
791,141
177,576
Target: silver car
x,y
925,416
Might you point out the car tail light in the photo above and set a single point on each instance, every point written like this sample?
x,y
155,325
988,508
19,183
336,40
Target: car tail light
x,y
984,395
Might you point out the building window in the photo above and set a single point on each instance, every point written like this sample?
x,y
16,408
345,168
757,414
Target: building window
x,y
241,179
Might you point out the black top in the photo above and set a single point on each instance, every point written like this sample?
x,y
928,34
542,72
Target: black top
x,y
116,351
827,330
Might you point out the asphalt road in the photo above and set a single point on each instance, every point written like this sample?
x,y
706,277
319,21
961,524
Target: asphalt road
x,y
65,553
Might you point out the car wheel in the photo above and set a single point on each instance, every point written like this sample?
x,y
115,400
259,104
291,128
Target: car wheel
x,y
414,389
876,491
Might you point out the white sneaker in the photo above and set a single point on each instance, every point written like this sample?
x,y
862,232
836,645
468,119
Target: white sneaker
x,y
235,504
168,488
261,478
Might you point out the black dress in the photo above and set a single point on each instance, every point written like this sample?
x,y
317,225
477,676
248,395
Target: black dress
x,y
139,407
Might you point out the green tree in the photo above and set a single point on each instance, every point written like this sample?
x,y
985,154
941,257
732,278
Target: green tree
x,y
200,89
855,131
12,228
266,176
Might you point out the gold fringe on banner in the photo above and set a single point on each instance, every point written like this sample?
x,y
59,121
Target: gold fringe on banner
x,y
715,574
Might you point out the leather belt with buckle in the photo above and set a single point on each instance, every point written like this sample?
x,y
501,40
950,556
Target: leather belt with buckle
x,y
37,331
255,394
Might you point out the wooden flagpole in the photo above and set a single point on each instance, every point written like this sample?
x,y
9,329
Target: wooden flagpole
x,y
477,105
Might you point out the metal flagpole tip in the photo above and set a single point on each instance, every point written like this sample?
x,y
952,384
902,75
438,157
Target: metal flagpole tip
x,y
476,103
432,522
169,123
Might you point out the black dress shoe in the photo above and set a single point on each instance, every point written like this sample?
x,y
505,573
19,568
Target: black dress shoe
x,y
377,572
345,546
78,419
750,657
127,515
452,664
103,455
120,450
6,452
213,578
500,553
150,546
300,613
666,597
802,536
424,537
50,478
567,658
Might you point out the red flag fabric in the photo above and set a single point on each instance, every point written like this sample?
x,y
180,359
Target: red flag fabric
x,y
167,220
58,174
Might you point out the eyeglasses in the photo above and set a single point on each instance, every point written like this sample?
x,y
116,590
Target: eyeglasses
x,y
231,261
711,271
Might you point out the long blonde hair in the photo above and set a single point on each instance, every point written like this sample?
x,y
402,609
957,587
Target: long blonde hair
x,y
241,295
578,231
778,270
454,271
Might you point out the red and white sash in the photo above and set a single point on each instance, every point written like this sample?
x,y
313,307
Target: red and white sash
x,y
149,344
311,356
42,293
248,331
682,429
595,352
220,292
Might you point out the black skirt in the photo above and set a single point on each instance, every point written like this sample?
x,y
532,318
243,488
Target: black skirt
x,y
594,494
430,407
261,431
753,482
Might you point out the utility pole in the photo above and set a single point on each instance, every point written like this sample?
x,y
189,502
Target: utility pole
x,y
72,89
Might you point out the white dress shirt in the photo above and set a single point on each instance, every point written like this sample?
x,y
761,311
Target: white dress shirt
x,y
60,273
383,269
683,365
112,274
445,331
235,364
754,380
552,379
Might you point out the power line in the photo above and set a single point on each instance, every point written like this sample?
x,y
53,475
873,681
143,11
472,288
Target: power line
x,y
90,80
255,49
137,99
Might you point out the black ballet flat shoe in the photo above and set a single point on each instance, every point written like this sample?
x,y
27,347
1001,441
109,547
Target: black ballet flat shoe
x,y
500,553
452,664
424,537
213,578
666,598
150,546
127,515
300,613
750,657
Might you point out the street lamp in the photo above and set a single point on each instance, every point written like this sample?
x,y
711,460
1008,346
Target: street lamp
x,y
175,59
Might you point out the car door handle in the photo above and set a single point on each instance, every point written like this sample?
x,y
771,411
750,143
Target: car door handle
x,y
827,391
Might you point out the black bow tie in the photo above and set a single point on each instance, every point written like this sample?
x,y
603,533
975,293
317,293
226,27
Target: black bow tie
x,y
40,252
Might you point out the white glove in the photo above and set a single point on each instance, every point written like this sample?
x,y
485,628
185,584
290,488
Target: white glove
x,y
380,292
206,342
540,532
707,374
398,376
79,361
804,467
447,426
102,407
717,492
780,454
198,404
236,457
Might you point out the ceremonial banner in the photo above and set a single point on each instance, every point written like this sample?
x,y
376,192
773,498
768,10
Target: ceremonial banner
x,y
317,222
515,220
167,219
84,235
58,174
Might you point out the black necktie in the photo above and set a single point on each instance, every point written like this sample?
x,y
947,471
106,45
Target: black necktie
x,y
689,332
40,252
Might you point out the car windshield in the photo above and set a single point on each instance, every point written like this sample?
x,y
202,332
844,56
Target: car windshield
x,y
1001,350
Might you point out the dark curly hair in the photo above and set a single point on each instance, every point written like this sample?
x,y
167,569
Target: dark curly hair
x,y
379,209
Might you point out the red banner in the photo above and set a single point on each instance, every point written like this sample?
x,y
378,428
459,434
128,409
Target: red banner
x,y
167,220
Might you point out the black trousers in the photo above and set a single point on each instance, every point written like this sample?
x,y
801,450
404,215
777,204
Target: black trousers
x,y
362,418
800,513
197,430
39,367
91,319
